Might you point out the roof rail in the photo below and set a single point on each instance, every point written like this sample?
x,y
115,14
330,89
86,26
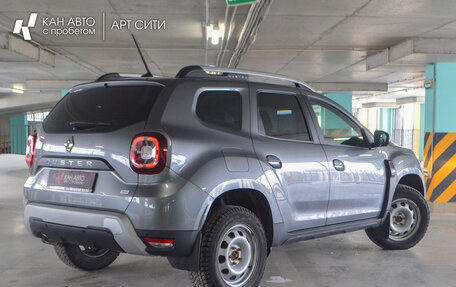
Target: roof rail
x,y
116,76
205,71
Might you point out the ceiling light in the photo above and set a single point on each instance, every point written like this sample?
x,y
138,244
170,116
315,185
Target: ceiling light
x,y
18,89
215,33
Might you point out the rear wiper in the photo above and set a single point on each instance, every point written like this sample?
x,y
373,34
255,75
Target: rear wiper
x,y
87,125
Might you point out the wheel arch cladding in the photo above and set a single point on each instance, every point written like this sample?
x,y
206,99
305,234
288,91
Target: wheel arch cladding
x,y
254,201
414,181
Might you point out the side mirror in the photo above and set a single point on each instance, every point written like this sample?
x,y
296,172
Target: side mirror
x,y
381,138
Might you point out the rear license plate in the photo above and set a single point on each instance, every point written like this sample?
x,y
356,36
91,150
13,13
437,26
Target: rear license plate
x,y
71,180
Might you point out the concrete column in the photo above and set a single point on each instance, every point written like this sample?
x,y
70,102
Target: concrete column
x,y
18,134
343,99
386,119
416,129
379,119
64,92
421,131
439,151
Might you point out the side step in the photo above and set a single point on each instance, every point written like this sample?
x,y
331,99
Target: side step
x,y
332,229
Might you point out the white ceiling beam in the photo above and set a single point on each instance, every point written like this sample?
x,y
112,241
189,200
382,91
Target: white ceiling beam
x,y
410,100
25,50
376,60
349,86
53,84
379,105
429,46
27,108
436,46
32,100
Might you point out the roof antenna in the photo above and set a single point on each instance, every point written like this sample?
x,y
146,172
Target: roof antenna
x,y
148,73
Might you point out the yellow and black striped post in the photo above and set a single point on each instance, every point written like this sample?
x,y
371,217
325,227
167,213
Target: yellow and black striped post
x,y
439,166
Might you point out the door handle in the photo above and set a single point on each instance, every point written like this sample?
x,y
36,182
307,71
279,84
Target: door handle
x,y
338,165
274,161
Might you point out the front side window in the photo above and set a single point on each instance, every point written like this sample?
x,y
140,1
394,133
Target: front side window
x,y
220,109
337,128
280,116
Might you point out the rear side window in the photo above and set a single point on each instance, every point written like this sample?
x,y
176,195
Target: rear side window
x,y
221,109
282,117
102,109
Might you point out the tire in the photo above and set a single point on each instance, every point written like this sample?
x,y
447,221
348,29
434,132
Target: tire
x,y
227,236
409,220
88,259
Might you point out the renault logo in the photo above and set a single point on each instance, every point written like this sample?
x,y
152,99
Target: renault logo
x,y
69,144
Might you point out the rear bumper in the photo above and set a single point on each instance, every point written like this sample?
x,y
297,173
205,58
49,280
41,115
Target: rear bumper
x,y
62,221
102,229
94,237
103,238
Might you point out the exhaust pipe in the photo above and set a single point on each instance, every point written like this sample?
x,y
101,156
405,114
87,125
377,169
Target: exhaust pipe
x,y
45,239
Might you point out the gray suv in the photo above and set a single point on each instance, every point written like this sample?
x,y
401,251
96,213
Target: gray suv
x,y
212,169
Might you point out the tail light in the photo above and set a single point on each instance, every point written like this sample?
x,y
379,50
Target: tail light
x,y
148,153
30,150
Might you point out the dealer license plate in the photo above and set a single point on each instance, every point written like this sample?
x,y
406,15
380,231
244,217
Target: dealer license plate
x,y
70,180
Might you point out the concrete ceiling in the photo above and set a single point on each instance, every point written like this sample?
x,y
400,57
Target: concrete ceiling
x,y
327,42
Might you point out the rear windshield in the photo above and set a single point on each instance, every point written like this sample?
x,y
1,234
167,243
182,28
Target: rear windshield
x,y
102,109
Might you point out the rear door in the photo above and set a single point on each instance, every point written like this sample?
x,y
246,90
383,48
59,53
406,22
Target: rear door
x,y
87,136
292,158
357,172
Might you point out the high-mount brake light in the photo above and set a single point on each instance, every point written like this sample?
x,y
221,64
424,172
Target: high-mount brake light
x,y
30,149
148,153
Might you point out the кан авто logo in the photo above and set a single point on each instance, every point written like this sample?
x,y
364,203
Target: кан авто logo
x,y
18,26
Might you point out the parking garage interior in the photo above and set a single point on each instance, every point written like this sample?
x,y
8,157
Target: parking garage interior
x,y
390,63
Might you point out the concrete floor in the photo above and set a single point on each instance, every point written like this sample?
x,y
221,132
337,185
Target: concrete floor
x,y
342,260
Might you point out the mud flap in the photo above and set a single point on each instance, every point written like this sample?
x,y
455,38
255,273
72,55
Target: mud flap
x,y
188,263
384,229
